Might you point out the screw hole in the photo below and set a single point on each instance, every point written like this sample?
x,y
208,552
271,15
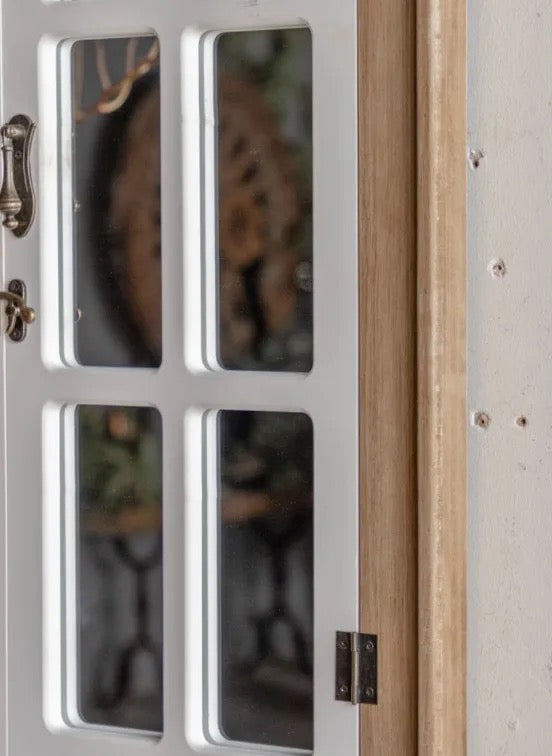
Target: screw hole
x,y
498,268
482,420
475,157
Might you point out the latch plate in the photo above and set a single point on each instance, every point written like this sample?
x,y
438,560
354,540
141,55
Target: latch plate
x,y
18,312
356,668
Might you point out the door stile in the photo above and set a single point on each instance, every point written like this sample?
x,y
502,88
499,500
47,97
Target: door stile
x,y
387,323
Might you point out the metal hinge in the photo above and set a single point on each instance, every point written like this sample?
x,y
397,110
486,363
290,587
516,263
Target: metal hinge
x,y
356,668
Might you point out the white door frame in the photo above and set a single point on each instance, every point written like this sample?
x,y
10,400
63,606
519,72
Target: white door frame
x,y
38,385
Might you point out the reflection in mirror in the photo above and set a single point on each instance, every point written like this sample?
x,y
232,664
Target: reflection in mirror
x,y
264,123
266,578
116,202
119,567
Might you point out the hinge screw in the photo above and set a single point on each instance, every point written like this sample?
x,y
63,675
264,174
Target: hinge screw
x,y
343,689
343,644
370,692
370,646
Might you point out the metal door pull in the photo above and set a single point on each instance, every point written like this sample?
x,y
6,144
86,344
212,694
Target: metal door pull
x,y
17,203
19,314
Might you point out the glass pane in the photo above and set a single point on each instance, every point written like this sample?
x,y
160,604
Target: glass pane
x,y
266,578
119,567
264,119
116,202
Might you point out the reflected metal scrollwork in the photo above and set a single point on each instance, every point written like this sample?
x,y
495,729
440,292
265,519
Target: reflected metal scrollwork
x,y
109,697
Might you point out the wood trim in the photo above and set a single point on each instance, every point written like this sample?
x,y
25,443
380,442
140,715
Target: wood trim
x,y
412,266
442,375
387,327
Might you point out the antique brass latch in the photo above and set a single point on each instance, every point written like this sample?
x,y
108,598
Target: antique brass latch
x,y
19,314
17,203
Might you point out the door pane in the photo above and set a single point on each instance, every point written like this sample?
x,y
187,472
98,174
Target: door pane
x,y
116,202
119,567
264,117
266,578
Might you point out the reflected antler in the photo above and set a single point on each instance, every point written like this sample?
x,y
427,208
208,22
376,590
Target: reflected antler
x,y
114,95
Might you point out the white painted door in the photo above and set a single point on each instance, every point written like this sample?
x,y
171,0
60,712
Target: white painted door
x,y
114,444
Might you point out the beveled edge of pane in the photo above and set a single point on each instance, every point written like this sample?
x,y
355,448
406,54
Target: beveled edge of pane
x,y
212,335
55,196
198,58
202,676
60,698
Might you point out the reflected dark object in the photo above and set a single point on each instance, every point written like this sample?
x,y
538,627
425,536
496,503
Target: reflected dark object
x,y
111,697
117,239
119,565
266,578
264,167
264,117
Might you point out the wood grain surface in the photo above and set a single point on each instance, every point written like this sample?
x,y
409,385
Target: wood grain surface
x,y
442,375
387,267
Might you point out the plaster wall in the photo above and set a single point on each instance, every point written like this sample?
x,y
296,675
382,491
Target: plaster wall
x,y
510,377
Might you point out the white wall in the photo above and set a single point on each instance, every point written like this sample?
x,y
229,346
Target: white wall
x,y
510,373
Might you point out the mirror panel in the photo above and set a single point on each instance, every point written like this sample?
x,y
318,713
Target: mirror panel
x,y
119,554
264,170
266,578
116,202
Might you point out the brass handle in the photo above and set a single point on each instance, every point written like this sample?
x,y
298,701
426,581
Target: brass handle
x,y
10,202
16,194
18,312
